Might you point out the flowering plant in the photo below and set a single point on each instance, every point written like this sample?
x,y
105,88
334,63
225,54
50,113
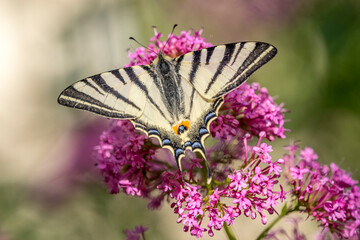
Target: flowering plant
x,y
327,194
245,178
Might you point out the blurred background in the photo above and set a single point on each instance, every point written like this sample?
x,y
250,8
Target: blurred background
x,y
49,186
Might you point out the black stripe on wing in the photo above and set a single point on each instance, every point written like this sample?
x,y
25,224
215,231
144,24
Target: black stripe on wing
x,y
71,97
131,74
178,63
209,53
160,89
237,53
117,74
191,103
253,58
229,50
195,65
104,86
92,86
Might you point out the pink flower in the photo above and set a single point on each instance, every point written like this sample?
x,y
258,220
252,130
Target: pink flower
x,y
329,195
308,155
238,181
225,127
297,173
264,151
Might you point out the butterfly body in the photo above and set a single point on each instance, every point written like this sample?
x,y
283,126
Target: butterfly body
x,y
173,100
176,95
167,79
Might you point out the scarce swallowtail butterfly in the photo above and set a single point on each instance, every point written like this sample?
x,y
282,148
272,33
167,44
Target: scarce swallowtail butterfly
x,y
172,99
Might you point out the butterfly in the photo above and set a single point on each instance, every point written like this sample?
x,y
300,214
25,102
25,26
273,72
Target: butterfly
x,y
172,99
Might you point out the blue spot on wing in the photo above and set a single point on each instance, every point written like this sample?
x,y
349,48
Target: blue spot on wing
x,y
188,143
166,142
178,152
209,116
181,129
197,145
203,131
153,131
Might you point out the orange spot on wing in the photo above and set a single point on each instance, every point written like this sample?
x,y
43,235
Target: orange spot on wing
x,y
175,128
185,123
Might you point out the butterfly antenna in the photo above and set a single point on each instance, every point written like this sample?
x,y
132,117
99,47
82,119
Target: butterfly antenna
x,y
148,49
172,31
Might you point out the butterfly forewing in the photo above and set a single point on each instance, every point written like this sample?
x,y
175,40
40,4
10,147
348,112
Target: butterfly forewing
x,y
218,70
114,94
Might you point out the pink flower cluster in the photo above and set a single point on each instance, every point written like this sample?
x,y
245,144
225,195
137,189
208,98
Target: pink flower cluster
x,y
328,194
176,46
244,174
247,111
255,110
114,152
250,189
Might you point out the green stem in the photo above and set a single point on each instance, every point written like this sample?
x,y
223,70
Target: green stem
x,y
283,214
229,232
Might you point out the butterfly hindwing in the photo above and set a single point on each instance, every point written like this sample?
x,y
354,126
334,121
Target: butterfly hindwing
x,y
218,70
115,94
200,112
157,120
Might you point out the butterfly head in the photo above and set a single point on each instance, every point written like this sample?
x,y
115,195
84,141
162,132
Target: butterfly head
x,y
163,63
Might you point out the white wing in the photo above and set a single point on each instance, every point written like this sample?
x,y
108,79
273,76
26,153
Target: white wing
x,y
217,70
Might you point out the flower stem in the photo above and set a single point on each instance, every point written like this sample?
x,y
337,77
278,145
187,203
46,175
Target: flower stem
x,y
283,214
229,232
